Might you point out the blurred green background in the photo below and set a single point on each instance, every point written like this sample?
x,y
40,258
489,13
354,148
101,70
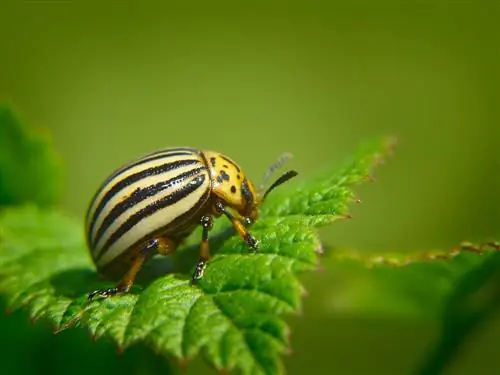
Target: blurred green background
x,y
110,80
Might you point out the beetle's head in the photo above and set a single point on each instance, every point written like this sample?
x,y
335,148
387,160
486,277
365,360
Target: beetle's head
x,y
234,190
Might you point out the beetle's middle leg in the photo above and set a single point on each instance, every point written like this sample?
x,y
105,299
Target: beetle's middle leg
x,y
207,224
161,245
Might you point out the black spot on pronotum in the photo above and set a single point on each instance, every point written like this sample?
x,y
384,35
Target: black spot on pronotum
x,y
225,166
238,177
212,161
233,189
223,176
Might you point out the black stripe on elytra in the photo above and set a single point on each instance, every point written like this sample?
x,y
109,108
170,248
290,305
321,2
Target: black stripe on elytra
x,y
138,196
145,159
152,208
247,194
182,226
129,180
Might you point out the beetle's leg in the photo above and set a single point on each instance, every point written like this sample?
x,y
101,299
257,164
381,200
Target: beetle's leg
x,y
239,226
247,222
207,224
126,283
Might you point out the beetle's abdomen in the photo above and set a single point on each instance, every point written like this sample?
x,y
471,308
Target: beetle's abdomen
x,y
157,194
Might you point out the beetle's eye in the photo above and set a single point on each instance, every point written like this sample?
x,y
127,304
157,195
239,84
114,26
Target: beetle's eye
x,y
248,197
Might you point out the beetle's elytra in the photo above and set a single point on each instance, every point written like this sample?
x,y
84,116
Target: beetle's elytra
x,y
150,205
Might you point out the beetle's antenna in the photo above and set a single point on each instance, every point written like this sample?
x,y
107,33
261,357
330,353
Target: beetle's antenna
x,y
282,159
282,179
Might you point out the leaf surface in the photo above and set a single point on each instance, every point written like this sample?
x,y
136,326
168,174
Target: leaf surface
x,y
234,317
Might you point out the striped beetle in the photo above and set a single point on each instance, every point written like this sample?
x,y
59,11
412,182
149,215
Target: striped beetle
x,y
152,204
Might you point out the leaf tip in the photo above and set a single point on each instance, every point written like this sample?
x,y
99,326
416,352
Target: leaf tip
x,y
387,147
304,292
318,248
369,178
390,143
320,268
93,337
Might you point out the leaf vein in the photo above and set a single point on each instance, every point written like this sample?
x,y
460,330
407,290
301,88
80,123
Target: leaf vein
x,y
185,326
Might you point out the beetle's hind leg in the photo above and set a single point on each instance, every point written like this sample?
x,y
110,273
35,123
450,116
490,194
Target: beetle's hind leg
x,y
207,224
161,245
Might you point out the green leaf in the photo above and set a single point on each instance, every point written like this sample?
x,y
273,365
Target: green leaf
x,y
30,170
470,304
233,317
399,285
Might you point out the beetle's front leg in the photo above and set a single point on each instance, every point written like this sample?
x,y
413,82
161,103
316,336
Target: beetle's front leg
x,y
207,224
240,227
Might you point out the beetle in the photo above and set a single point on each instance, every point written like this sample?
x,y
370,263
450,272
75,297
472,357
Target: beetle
x,y
150,205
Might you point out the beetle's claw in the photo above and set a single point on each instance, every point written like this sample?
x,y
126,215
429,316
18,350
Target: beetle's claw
x,y
105,293
252,242
200,269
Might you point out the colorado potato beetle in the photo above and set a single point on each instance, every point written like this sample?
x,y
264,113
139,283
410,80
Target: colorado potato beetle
x,y
150,205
